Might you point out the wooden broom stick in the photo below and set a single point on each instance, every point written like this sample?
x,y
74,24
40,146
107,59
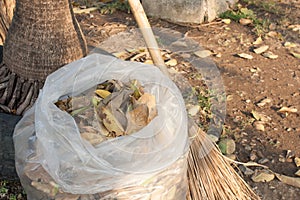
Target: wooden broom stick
x,y
143,23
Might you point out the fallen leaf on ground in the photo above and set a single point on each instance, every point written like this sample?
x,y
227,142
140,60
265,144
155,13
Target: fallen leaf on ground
x,y
245,21
226,21
270,55
297,173
227,146
86,10
203,53
287,110
289,180
246,56
258,125
261,49
296,55
289,44
263,176
258,41
297,161
172,62
263,102
194,110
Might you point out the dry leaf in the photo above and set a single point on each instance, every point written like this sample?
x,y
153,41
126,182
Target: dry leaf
x,y
172,62
103,93
137,118
263,176
258,125
270,55
51,188
296,55
246,56
261,49
297,173
148,62
87,10
289,44
226,21
287,110
203,53
245,21
297,161
260,117
92,138
110,122
149,100
194,110
263,102
289,180
258,41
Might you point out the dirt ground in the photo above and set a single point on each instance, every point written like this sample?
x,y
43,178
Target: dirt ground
x,y
247,82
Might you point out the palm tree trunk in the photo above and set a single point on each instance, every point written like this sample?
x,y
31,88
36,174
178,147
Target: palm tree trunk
x,y
6,14
44,35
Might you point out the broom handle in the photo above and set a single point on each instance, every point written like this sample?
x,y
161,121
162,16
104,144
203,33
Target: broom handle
x,y
143,23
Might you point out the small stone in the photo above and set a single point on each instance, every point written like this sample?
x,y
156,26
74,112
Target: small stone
x,y
248,101
281,159
227,146
263,176
248,148
247,171
194,110
263,161
261,49
253,156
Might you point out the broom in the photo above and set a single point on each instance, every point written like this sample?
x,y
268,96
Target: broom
x,y
210,174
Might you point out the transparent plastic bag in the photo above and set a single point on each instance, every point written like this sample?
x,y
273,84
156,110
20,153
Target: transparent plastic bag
x,y
54,162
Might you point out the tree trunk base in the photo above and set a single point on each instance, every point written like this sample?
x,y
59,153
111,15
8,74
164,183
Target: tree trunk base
x,y
16,93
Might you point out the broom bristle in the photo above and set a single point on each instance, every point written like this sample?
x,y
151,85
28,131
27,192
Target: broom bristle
x,y
210,175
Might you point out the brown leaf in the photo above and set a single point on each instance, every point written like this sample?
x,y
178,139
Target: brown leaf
x,y
92,138
149,101
102,93
111,122
137,118
287,110
289,180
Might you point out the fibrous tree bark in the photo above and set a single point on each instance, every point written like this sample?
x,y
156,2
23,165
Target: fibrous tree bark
x,y
6,14
44,35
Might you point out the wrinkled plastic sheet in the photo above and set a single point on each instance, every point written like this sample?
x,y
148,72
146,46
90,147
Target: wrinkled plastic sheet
x,y
49,137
